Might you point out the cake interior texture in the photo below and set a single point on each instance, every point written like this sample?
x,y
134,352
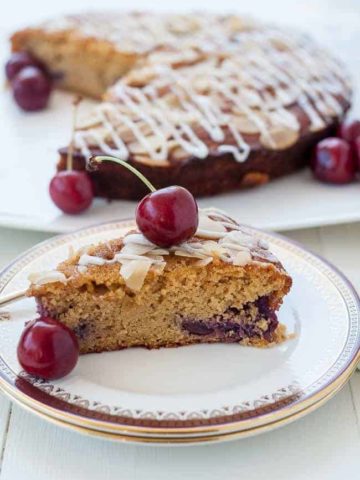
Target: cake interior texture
x,y
184,305
76,64
186,302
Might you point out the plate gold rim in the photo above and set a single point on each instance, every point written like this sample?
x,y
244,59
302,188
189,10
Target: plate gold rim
x,y
186,440
246,424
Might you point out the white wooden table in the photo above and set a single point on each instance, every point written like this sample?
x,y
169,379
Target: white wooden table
x,y
325,445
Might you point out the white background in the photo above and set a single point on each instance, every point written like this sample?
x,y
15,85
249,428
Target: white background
x,y
29,142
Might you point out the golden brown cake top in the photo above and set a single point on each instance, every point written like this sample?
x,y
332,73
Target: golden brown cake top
x,y
224,86
218,239
142,32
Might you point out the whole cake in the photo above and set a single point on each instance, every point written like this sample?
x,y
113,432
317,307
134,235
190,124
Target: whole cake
x,y
209,102
222,285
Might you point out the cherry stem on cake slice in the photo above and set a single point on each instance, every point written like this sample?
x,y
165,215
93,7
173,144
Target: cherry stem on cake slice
x,y
93,161
70,154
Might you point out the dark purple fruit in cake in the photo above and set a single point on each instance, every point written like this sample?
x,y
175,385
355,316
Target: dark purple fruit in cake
x,y
357,152
71,191
333,161
168,216
48,349
31,89
350,131
17,62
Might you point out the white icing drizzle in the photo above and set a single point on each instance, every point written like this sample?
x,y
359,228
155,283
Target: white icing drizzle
x,y
217,236
218,80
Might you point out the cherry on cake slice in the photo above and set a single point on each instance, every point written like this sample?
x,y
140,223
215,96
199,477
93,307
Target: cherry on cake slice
x,y
222,285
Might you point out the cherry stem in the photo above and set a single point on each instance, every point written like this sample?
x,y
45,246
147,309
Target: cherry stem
x,y
70,154
105,158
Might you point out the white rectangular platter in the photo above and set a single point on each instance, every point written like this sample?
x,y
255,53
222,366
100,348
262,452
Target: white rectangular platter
x,y
29,142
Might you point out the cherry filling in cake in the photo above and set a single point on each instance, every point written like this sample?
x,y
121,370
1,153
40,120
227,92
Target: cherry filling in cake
x,y
255,320
221,285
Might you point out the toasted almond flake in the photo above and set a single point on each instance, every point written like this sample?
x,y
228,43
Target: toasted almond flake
x,y
123,257
209,228
137,238
159,251
134,273
239,238
186,253
245,125
213,249
156,259
241,258
136,249
280,137
42,278
262,244
86,259
203,262
234,246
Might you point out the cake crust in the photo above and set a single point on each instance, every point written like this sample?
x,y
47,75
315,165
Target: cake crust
x,y
221,173
224,285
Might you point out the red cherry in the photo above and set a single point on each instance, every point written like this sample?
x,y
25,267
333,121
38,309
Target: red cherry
x,y
71,191
48,349
18,61
357,151
333,161
350,131
31,89
168,216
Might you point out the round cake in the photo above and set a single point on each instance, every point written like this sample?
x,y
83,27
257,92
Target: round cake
x,y
212,103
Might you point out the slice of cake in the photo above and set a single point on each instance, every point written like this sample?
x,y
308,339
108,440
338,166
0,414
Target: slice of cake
x,y
223,285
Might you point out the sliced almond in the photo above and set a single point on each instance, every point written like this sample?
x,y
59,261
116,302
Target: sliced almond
x,y
242,257
138,77
178,153
240,24
202,85
245,125
280,44
134,273
281,138
138,238
50,276
203,262
183,24
136,249
209,228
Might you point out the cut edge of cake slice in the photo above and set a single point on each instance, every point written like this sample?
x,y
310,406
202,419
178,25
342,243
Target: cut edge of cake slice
x,y
222,286
78,63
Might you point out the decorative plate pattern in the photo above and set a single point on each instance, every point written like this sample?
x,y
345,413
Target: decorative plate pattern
x,y
216,388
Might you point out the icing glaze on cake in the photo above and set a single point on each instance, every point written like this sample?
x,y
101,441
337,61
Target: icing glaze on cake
x,y
264,87
218,237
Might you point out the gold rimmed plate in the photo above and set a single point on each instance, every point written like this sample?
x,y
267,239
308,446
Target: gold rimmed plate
x,y
203,391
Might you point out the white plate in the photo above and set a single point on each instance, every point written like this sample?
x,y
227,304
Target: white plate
x,y
29,142
201,392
